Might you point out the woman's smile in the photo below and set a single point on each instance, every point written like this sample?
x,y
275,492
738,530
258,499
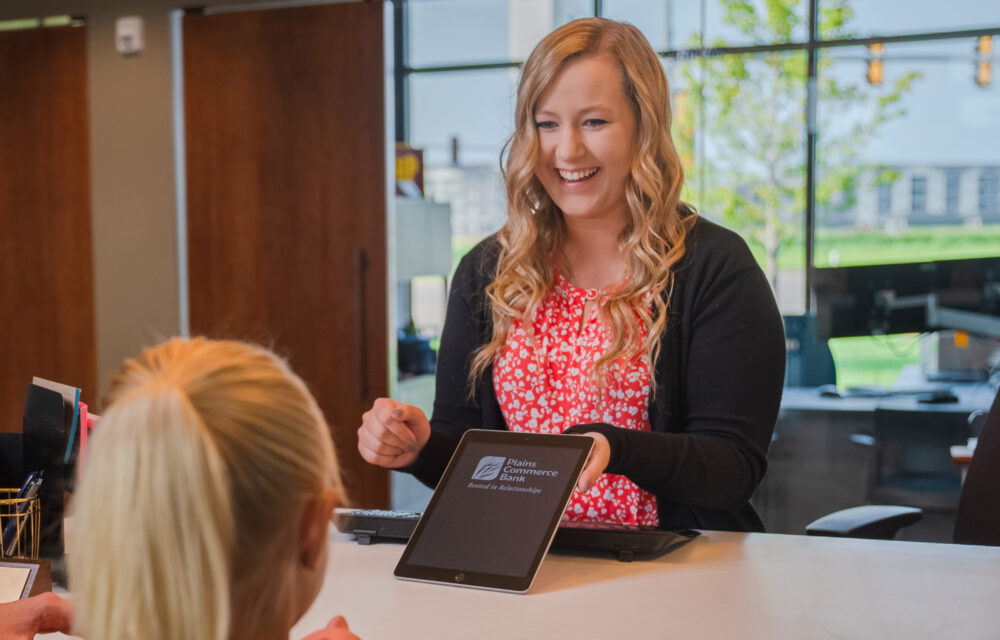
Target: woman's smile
x,y
577,176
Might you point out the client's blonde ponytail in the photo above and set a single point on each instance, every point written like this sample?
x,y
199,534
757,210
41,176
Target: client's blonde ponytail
x,y
160,567
187,508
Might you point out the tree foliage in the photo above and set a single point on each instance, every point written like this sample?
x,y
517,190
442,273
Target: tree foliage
x,y
740,123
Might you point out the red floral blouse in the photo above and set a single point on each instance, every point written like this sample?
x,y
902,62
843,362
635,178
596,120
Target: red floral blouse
x,y
544,385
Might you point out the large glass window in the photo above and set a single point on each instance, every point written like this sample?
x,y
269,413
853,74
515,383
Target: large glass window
x,y
667,25
895,162
917,136
745,157
905,166
462,32
894,17
731,23
462,120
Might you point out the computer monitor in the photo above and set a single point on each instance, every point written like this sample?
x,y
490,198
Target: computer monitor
x,y
908,298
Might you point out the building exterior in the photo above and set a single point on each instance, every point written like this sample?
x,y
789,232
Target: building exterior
x,y
894,198
476,194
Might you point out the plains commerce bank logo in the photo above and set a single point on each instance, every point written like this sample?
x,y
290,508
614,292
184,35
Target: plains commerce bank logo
x,y
508,470
488,468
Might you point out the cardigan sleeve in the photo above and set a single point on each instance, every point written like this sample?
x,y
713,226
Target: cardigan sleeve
x,y
733,346
454,411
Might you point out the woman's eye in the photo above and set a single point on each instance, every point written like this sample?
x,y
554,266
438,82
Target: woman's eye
x,y
545,124
594,122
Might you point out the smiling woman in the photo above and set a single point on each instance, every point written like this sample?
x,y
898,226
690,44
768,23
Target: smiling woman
x,y
605,307
585,132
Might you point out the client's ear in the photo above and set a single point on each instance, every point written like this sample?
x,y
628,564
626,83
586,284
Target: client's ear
x,y
313,527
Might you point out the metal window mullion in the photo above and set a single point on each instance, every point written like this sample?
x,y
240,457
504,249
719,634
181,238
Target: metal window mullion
x,y
812,107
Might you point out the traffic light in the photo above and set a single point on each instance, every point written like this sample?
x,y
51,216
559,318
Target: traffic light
x,y
984,70
875,63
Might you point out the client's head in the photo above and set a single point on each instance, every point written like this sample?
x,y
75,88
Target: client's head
x,y
202,510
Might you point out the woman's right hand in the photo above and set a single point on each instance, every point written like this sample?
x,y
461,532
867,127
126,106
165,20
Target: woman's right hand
x,y
392,433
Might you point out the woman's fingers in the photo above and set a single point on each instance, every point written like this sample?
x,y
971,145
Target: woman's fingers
x,y
380,459
391,417
386,436
381,447
379,422
600,455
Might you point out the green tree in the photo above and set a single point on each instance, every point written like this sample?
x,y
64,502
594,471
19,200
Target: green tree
x,y
740,125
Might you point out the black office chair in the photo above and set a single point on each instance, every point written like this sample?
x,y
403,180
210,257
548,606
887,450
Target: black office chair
x,y
911,458
977,519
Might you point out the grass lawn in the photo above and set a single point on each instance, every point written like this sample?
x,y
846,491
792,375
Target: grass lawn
x,y
855,247
874,360
848,247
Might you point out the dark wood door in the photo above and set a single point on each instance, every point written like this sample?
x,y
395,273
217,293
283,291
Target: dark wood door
x,y
46,269
284,118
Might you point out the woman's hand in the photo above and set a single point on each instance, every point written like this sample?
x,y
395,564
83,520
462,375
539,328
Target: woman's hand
x,y
600,455
392,433
44,613
336,630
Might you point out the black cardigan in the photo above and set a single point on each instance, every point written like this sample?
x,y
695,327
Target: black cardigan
x,y
719,380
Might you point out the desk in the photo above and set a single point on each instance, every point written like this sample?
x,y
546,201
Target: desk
x,y
814,469
722,585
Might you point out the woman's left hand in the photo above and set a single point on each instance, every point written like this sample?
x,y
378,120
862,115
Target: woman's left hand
x,y
336,629
600,455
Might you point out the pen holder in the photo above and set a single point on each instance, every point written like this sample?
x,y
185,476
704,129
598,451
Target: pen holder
x,y
20,521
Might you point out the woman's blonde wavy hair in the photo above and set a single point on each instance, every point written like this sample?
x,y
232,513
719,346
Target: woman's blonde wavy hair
x,y
653,239
189,504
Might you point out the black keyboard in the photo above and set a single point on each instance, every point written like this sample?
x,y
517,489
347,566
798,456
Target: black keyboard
x,y
372,524
626,541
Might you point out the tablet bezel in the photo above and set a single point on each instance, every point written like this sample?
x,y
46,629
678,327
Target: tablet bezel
x,y
497,582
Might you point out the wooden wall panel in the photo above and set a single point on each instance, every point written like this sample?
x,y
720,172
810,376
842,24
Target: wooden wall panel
x,y
284,118
46,272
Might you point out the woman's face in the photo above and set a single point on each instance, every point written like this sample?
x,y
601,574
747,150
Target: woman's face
x,y
586,128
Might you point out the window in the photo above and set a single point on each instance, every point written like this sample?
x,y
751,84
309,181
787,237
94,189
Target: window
x,y
463,32
899,150
744,154
884,198
951,184
988,193
892,17
918,132
918,195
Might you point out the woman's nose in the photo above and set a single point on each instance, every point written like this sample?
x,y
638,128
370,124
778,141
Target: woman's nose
x,y
570,145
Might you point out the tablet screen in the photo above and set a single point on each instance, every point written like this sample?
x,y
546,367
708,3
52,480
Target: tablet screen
x,y
493,514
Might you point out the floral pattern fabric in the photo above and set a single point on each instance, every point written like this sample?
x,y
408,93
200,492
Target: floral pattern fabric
x,y
544,384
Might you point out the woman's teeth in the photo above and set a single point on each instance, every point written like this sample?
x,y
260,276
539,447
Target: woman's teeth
x,y
575,176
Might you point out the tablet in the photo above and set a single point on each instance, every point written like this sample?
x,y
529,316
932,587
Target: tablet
x,y
494,512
